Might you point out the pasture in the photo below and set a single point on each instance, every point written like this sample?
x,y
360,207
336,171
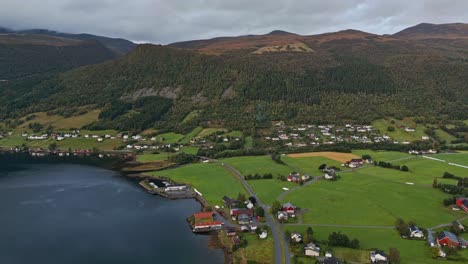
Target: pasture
x,y
210,179
309,165
372,196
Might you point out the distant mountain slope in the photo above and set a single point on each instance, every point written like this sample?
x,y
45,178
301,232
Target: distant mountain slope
x,y
426,30
117,45
248,81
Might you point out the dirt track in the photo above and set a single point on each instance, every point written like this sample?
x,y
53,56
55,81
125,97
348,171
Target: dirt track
x,y
338,156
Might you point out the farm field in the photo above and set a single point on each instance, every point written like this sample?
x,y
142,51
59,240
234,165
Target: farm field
x,y
210,179
170,137
400,134
309,165
458,158
257,164
431,168
60,122
191,135
165,155
416,252
381,155
268,190
372,196
337,156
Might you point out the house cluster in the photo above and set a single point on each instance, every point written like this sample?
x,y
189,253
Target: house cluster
x,y
296,177
422,152
356,163
312,135
287,211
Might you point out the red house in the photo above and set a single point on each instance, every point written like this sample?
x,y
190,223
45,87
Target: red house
x,y
462,203
289,208
445,238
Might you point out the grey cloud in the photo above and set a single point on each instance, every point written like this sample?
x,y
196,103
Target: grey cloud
x,y
165,21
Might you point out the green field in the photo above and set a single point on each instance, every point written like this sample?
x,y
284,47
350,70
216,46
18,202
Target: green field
x,y
411,251
309,165
208,131
257,164
191,135
400,134
458,158
429,168
210,179
269,190
382,155
60,122
171,137
372,196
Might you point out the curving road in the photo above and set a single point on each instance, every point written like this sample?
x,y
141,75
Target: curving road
x,y
277,233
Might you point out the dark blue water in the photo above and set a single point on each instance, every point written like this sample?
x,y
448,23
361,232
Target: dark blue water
x,y
67,213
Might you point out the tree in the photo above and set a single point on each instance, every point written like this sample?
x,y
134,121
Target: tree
x,y
435,252
241,197
322,167
404,168
259,211
53,146
275,207
394,255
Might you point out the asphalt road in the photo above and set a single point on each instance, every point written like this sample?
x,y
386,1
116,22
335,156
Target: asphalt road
x,y
277,232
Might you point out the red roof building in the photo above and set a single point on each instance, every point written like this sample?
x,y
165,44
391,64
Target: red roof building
x,y
462,203
203,215
445,238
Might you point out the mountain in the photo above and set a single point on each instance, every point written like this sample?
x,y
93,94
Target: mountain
x,y
426,31
248,81
117,45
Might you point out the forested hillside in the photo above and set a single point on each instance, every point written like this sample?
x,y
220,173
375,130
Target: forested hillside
x,y
337,77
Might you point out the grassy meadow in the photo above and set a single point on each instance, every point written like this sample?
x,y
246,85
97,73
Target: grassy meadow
x,y
212,180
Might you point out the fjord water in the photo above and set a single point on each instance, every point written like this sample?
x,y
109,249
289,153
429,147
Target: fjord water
x,y
69,213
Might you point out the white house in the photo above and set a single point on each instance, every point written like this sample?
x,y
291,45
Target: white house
x,y
296,237
415,232
312,250
378,256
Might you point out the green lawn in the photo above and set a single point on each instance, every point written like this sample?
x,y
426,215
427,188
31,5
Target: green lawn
x,y
170,137
411,251
191,135
373,196
309,165
259,250
400,134
210,179
381,155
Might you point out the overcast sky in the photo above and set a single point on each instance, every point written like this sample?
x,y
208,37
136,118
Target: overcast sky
x,y
166,21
